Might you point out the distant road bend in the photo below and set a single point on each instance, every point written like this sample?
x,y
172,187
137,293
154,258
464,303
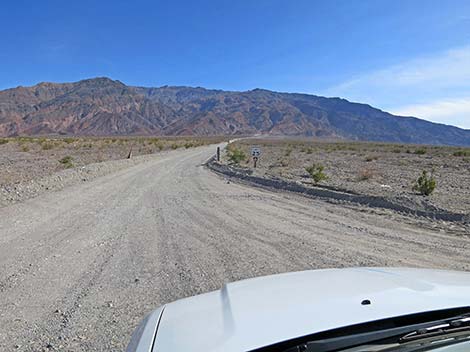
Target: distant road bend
x,y
80,267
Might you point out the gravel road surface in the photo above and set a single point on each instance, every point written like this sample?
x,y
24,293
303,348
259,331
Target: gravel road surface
x,y
80,267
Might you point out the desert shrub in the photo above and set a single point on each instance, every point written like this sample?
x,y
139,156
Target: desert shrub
x,y
86,145
69,140
425,184
47,145
371,158
67,161
365,174
288,152
316,172
420,151
236,155
309,151
174,146
284,163
3,141
396,150
462,153
188,145
24,148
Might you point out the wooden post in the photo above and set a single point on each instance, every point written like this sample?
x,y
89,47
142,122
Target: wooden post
x,y
255,161
218,153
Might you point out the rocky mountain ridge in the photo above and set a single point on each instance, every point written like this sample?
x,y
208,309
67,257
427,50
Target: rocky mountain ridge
x,y
101,106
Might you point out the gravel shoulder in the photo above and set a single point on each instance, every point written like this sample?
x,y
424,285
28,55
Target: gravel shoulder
x,y
81,266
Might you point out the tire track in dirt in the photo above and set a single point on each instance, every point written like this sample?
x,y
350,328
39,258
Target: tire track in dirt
x,y
105,253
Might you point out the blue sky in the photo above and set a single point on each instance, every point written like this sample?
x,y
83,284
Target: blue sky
x,y
410,57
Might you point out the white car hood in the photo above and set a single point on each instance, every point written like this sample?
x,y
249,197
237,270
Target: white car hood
x,y
254,313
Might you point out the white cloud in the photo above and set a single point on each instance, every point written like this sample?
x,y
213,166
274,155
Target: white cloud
x,y
428,87
451,111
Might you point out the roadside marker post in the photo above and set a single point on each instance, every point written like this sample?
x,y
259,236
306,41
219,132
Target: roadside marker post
x,y
255,153
218,153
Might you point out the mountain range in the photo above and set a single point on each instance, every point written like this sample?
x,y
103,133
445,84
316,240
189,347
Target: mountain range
x,y
104,107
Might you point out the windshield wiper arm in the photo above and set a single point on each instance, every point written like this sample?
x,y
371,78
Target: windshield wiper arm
x,y
451,326
337,343
396,334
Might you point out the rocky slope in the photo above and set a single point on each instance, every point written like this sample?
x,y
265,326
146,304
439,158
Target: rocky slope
x,y
101,106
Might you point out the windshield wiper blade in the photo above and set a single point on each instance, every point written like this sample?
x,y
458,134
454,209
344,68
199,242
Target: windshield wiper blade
x,y
400,334
341,342
451,326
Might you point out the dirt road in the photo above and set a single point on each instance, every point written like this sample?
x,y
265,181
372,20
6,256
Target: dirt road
x,y
80,267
